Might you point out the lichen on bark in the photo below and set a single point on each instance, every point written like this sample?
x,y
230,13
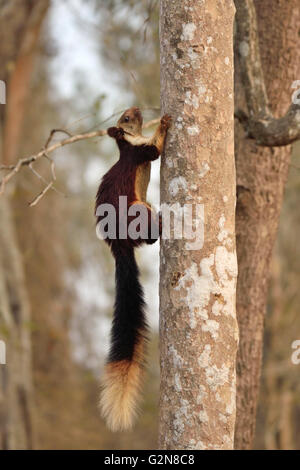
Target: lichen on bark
x,y
198,327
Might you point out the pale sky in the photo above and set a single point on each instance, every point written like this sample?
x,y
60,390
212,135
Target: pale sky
x,y
78,56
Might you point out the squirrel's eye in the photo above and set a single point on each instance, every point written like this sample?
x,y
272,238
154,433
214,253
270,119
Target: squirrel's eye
x,y
126,118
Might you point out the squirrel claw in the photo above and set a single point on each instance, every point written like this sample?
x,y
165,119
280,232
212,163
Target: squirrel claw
x,y
166,121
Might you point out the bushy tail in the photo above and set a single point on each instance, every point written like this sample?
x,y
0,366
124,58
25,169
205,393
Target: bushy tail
x,y
124,369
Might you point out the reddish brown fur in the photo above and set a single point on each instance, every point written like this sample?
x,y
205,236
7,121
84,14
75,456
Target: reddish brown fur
x,y
128,177
121,179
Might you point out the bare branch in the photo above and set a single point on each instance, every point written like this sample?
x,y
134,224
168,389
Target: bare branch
x,y
64,131
118,113
44,153
40,177
42,193
52,166
33,158
260,124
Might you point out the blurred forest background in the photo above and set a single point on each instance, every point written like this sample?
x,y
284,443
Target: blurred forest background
x,y
95,58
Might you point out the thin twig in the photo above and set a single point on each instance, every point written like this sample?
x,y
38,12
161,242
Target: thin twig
x,y
52,165
33,158
118,113
44,153
39,196
54,131
39,176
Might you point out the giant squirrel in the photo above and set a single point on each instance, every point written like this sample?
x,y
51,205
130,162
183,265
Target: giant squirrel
x,y
129,177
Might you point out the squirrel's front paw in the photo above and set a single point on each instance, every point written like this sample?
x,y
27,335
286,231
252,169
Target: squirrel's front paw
x,y
166,121
115,132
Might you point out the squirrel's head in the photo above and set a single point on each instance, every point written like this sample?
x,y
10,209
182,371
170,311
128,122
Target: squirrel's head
x,y
131,121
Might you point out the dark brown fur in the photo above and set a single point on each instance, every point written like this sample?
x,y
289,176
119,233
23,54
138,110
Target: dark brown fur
x,y
128,177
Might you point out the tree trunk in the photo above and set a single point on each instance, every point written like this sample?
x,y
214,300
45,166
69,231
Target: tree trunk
x,y
19,30
261,177
278,400
15,381
198,328
19,66
273,381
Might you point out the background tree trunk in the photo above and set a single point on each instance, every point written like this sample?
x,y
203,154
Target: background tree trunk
x,y
278,400
198,328
19,29
15,381
261,177
272,384
19,79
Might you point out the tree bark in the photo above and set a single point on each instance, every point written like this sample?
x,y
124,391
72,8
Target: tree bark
x,y
19,66
16,429
278,401
198,328
259,123
261,177
19,29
